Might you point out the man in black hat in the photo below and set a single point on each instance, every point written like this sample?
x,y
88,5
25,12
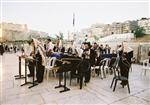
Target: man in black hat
x,y
149,55
1,49
89,55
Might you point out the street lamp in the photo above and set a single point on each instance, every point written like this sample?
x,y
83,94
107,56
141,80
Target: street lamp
x,y
86,37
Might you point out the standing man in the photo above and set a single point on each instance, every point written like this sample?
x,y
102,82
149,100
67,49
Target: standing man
x,y
107,49
39,55
95,46
1,48
149,55
49,47
15,48
89,55
101,48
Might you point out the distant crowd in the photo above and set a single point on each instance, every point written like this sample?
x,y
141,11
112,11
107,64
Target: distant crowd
x,y
8,48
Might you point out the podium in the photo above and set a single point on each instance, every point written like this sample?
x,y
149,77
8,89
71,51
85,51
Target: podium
x,y
33,80
20,76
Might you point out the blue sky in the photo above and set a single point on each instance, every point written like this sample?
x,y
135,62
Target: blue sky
x,y
53,17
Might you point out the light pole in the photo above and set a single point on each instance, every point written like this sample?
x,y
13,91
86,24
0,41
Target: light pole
x,y
86,37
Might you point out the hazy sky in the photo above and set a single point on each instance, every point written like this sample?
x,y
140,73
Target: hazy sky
x,y
76,0
54,17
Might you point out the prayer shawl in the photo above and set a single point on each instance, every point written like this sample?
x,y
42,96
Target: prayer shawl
x,y
39,47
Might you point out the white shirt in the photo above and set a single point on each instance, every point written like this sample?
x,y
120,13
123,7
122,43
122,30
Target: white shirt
x,y
80,51
50,46
87,54
28,49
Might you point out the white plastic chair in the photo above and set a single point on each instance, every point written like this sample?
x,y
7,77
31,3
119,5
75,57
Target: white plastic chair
x,y
93,68
50,66
145,65
104,67
132,61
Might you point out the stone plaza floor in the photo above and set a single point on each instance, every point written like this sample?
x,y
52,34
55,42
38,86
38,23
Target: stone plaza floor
x,y
98,91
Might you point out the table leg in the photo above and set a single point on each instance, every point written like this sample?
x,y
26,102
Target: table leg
x,y
19,76
33,81
60,85
26,75
65,88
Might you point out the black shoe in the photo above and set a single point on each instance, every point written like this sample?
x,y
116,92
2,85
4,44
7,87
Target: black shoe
x,y
123,84
86,81
40,81
30,75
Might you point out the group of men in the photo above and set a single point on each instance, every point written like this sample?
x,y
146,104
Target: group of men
x,y
90,53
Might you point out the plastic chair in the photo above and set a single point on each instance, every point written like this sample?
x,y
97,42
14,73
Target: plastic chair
x,y
145,65
50,66
104,67
107,60
117,77
93,70
132,61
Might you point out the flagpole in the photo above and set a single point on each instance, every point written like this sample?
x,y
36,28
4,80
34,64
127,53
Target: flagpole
x,y
74,26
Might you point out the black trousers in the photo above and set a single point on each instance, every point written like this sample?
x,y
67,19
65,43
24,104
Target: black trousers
x,y
112,61
88,72
39,72
124,70
31,67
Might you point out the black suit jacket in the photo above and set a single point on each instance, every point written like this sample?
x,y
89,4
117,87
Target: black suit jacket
x,y
92,57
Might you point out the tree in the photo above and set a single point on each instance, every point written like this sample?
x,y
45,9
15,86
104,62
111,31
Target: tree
x,y
139,32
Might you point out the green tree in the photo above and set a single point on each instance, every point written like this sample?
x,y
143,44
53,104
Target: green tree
x,y
139,32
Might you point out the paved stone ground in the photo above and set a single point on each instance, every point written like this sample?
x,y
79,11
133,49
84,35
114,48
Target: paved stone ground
x,y
98,91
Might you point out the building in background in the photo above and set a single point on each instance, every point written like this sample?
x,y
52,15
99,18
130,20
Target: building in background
x,y
0,34
145,23
107,30
102,30
36,34
116,28
97,30
13,32
18,32
129,26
